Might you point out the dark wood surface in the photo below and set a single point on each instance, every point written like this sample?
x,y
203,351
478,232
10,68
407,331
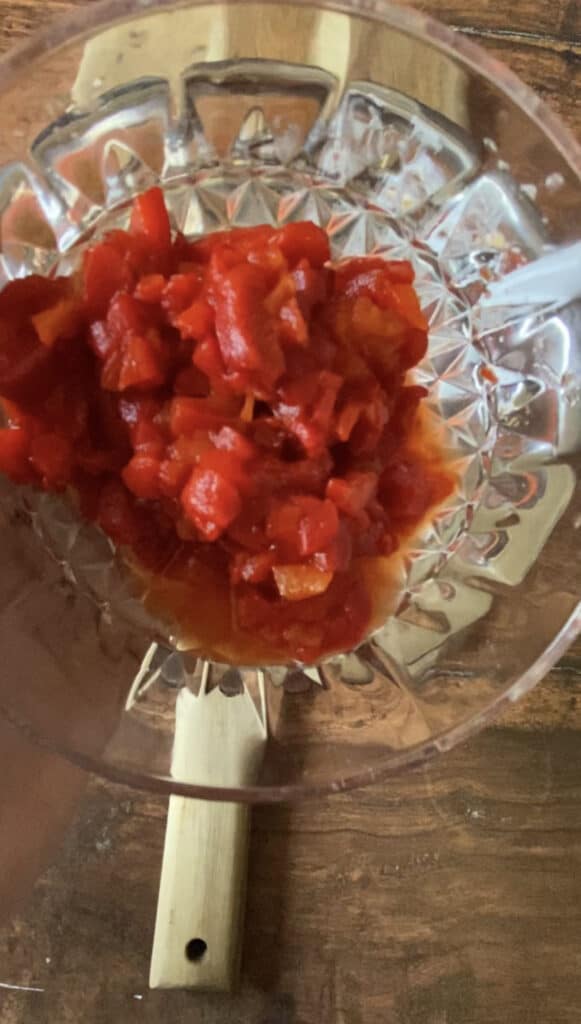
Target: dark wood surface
x,y
448,896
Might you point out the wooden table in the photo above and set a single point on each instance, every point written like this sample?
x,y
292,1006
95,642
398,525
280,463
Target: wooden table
x,y
451,896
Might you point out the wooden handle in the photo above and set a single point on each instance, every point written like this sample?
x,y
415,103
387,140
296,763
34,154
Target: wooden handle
x,y
219,741
201,897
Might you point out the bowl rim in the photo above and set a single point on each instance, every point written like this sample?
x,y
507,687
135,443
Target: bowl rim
x,y
81,23
414,757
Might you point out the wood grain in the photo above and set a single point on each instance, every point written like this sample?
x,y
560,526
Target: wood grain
x,y
449,896
543,21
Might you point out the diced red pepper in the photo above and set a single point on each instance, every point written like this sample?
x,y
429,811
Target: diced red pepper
x,y
189,449
126,315
211,502
14,454
149,218
100,339
337,554
196,320
407,305
141,476
246,335
283,521
142,367
173,476
188,415
180,291
247,568
52,457
104,274
397,271
303,524
243,240
311,286
293,323
318,526
138,409
304,240
234,410
229,464
151,288
415,349
149,439
229,440
284,290
208,358
352,493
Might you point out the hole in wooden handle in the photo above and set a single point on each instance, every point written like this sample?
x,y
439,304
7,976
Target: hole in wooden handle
x,y
195,950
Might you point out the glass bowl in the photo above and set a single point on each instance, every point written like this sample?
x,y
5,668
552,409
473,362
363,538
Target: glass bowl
x,y
398,136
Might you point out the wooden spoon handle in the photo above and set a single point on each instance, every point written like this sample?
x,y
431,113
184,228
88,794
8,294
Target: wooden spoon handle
x,y
219,741
201,899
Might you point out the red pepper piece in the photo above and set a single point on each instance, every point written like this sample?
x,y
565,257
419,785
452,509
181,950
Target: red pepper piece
x,y
208,358
253,568
352,493
188,415
149,218
126,315
303,240
14,455
141,476
232,402
211,501
294,327
151,288
318,526
337,554
303,524
398,271
196,320
104,274
229,440
173,477
311,285
246,334
142,366
52,457
179,293
149,439
242,239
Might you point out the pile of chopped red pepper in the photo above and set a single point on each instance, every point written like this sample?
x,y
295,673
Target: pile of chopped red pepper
x,y
235,402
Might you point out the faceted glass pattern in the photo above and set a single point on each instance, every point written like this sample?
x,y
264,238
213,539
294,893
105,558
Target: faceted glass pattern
x,y
490,588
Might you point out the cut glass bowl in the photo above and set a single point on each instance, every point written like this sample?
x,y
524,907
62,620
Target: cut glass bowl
x,y
399,137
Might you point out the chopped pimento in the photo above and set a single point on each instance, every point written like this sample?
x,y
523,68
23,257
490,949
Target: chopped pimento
x,y
234,408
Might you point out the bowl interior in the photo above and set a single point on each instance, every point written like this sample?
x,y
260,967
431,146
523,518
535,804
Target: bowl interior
x,y
397,138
